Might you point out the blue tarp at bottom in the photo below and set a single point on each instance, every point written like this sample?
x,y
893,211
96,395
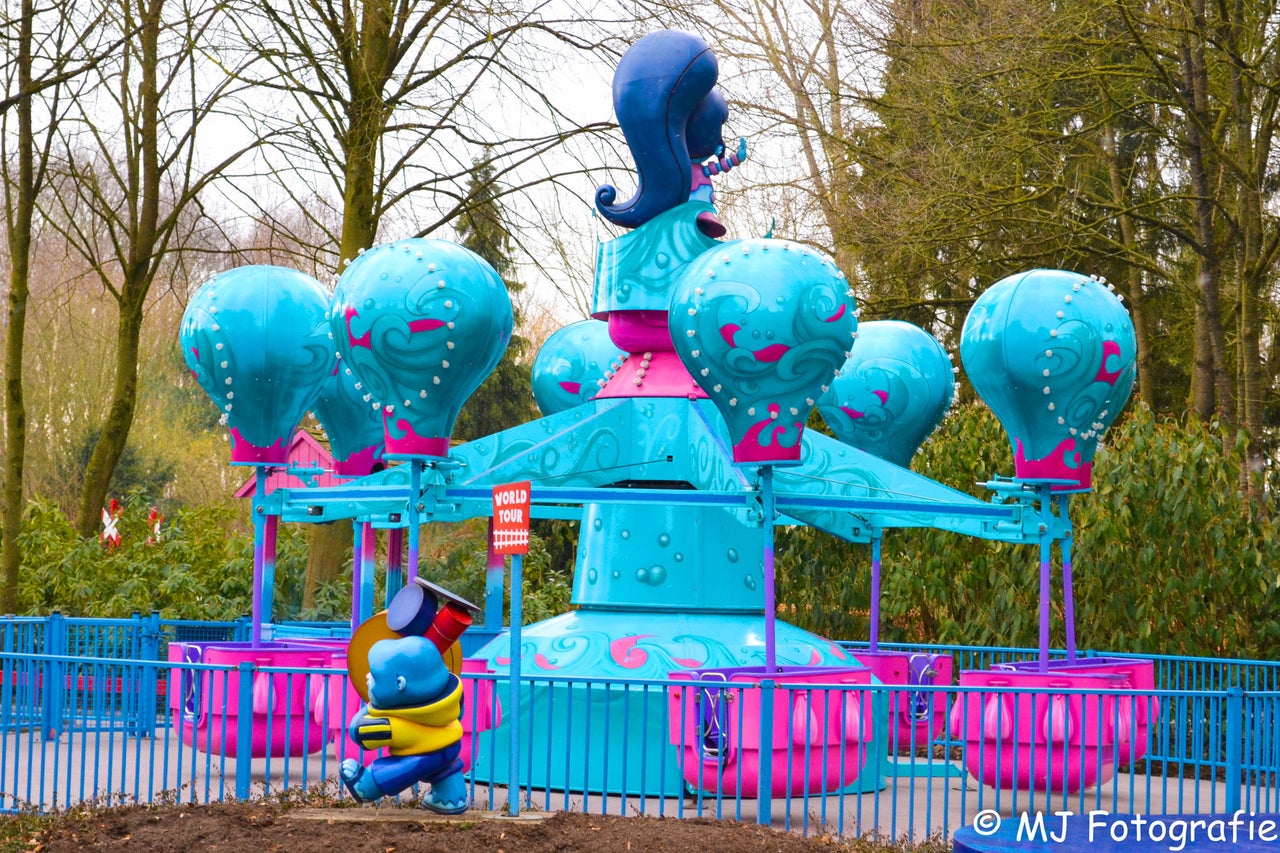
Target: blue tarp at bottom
x,y
1101,832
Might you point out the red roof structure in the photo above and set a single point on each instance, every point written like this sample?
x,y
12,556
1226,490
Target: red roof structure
x,y
304,452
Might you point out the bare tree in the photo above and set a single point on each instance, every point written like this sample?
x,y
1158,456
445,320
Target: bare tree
x,y
132,182
48,49
393,106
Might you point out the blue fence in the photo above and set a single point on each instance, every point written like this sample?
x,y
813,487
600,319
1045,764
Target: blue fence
x,y
91,710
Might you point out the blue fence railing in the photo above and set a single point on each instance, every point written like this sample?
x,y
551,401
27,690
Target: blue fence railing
x,y
92,710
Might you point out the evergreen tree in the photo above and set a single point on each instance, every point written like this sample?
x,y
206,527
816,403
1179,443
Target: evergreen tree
x,y
506,397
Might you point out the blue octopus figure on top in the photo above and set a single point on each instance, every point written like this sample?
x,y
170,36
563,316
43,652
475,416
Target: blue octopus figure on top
x,y
672,117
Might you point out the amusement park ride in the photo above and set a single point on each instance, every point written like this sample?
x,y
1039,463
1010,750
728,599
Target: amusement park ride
x,y
674,431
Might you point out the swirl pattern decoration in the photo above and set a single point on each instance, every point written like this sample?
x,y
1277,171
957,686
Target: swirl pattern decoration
x,y
354,428
570,367
421,323
763,325
892,392
1053,353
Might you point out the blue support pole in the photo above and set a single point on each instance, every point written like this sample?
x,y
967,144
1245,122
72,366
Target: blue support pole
x,y
513,701
1234,747
770,590
365,568
1046,565
1068,599
874,633
150,675
357,568
395,563
764,788
55,643
261,604
494,566
244,729
415,534
8,673
270,529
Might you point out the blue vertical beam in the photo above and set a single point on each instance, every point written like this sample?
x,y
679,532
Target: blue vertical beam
x,y
415,533
395,563
357,568
517,617
1235,747
494,567
1068,598
150,675
55,644
8,673
764,788
874,633
368,567
259,550
244,729
1046,565
270,529
770,587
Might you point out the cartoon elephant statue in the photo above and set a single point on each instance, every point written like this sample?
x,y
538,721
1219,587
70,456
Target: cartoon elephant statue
x,y
414,710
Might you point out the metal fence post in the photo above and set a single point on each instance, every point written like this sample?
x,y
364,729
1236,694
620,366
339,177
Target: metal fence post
x,y
150,675
8,674
55,644
244,729
1235,747
764,790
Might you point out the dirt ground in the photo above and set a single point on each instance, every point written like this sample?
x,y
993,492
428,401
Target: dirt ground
x,y
266,827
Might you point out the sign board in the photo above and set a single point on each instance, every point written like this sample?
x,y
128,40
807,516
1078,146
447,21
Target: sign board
x,y
511,518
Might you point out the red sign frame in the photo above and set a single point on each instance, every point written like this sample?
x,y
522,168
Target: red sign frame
x,y
510,530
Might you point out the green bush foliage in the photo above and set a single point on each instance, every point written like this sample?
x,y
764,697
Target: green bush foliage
x,y
201,567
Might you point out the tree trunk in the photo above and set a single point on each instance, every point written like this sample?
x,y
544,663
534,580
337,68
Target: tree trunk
x,y
19,281
115,430
139,270
329,545
1133,271
1199,158
1201,398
